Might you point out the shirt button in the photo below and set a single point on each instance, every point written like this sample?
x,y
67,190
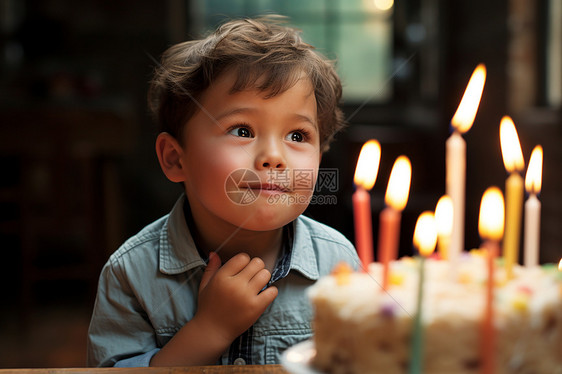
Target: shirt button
x,y
239,361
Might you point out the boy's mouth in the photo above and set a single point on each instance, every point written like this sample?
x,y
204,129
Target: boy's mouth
x,y
266,187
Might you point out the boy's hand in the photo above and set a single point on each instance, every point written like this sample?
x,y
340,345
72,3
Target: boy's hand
x,y
229,303
230,300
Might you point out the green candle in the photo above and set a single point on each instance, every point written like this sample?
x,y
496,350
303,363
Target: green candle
x,y
425,239
416,361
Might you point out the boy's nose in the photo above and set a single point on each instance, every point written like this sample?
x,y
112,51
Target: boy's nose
x,y
270,157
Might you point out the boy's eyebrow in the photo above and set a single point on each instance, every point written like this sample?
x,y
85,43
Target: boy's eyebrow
x,y
304,118
234,111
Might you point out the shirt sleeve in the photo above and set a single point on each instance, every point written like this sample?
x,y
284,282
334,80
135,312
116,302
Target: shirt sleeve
x,y
137,361
119,328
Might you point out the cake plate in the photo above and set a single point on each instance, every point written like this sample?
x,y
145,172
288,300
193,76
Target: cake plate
x,y
298,358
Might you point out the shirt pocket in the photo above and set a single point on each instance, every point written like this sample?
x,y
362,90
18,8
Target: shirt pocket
x,y
277,343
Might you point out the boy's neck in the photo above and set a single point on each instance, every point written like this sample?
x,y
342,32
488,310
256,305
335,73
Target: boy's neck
x,y
228,240
263,244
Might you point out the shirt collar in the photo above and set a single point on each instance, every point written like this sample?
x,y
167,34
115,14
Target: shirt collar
x,y
303,256
178,252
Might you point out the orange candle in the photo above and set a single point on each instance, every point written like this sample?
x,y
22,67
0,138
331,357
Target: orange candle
x,y
389,237
490,227
363,226
364,179
389,226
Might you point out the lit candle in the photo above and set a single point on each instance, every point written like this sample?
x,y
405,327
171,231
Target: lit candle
x,y
444,219
396,198
364,179
456,156
533,181
425,238
514,164
490,228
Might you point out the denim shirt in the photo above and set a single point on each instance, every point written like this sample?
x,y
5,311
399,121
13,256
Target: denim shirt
x,y
148,290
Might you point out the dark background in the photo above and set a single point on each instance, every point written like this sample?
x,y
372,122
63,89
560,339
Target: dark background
x,y
79,172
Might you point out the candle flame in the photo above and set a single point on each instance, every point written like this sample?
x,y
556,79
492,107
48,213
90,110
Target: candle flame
x,y
399,184
533,179
383,4
368,165
444,216
560,265
466,112
492,214
425,234
511,148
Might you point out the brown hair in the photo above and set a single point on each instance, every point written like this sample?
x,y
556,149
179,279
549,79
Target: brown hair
x,y
260,50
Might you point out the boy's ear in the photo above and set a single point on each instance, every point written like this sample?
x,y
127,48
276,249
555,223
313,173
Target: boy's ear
x,y
169,154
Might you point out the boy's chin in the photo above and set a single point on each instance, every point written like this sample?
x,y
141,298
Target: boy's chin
x,y
271,218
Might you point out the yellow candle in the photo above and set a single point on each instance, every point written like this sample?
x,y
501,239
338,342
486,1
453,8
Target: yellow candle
x,y
513,161
513,214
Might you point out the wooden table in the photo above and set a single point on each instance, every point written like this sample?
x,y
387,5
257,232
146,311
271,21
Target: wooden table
x,y
227,369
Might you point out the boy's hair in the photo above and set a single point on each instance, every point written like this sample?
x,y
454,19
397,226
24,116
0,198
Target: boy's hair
x,y
265,55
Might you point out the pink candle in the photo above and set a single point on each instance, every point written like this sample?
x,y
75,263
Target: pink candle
x,y
389,227
455,161
533,182
365,177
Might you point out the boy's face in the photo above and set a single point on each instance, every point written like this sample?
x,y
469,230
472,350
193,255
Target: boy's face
x,y
248,161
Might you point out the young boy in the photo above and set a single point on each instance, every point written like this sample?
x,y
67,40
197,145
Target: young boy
x,y
222,278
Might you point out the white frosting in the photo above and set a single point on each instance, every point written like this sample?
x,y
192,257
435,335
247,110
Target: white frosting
x,y
461,295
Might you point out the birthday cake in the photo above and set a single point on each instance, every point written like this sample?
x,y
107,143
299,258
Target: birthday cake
x,y
360,328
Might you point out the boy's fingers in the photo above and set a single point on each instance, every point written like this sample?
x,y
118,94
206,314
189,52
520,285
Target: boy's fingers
x,y
236,264
268,295
212,267
260,279
255,265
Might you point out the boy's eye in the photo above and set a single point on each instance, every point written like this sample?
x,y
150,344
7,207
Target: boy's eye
x,y
296,136
243,132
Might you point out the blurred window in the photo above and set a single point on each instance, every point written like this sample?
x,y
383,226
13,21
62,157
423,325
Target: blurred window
x,y
554,54
355,33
